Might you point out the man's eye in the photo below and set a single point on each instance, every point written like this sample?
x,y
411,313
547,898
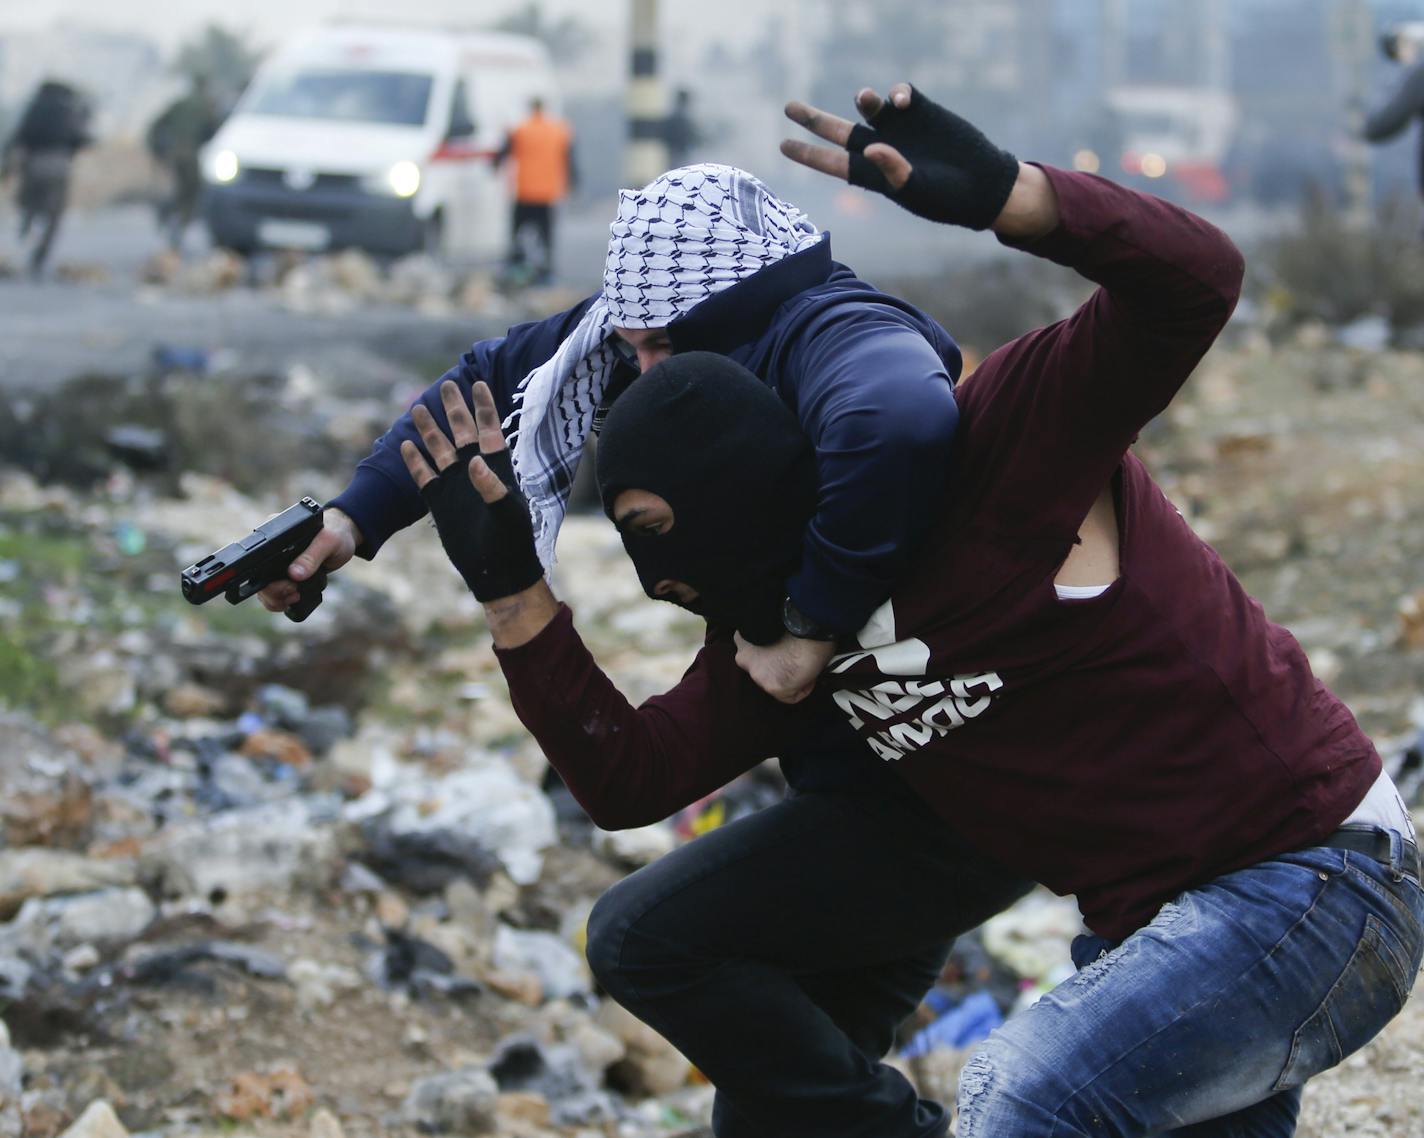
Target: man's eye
x,y
652,529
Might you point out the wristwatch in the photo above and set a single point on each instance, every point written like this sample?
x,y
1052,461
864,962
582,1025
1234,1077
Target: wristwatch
x,y
802,626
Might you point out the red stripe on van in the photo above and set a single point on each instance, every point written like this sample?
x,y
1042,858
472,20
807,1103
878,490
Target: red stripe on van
x,y
461,152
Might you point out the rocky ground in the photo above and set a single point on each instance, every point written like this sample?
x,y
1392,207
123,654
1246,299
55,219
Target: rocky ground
x,y
311,879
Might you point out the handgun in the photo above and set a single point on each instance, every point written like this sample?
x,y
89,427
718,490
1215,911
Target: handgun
x,y
251,564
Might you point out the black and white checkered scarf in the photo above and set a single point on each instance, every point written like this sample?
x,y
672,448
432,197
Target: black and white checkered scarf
x,y
686,235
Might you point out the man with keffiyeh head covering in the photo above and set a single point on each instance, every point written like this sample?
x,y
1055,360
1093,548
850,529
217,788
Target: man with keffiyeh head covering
x,y
706,257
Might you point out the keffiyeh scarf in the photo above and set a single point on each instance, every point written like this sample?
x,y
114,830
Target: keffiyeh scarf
x,y
686,235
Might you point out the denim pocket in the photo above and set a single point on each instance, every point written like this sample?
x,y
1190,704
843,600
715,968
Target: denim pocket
x,y
1366,996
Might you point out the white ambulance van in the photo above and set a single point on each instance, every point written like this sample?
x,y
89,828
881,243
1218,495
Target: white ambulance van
x,y
375,138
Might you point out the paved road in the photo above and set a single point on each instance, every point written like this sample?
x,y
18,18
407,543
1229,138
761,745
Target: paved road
x,y
52,330
55,329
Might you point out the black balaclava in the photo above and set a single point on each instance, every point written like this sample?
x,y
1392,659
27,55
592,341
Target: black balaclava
x,y
730,459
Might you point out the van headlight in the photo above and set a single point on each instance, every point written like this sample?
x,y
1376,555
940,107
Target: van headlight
x,y
403,179
224,166
1154,165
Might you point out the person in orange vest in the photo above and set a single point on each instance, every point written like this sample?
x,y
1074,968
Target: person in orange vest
x,y
541,148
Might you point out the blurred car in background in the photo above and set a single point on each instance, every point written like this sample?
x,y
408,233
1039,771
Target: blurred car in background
x,y
375,138
1172,141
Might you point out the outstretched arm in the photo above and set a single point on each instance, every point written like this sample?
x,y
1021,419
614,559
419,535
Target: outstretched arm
x,y
1407,103
380,499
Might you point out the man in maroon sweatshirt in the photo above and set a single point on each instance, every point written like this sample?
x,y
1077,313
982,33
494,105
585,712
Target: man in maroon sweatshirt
x,y
1068,675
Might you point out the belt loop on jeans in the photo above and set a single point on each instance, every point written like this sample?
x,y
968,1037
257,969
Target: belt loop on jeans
x,y
1388,847
1405,856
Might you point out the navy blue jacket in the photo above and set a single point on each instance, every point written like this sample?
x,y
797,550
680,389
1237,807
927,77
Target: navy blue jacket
x,y
869,376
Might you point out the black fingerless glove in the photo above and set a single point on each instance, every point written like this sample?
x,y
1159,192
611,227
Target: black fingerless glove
x,y
491,546
958,175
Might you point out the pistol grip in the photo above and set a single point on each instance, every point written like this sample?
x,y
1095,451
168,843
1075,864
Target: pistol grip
x,y
308,597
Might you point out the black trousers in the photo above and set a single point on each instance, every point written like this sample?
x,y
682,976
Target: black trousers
x,y
538,217
44,195
780,952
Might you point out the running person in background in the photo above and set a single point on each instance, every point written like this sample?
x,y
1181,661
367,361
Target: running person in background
x,y
174,139
53,128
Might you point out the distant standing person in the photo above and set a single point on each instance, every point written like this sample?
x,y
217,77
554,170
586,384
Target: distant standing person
x,y
1404,45
680,130
541,148
174,139
53,128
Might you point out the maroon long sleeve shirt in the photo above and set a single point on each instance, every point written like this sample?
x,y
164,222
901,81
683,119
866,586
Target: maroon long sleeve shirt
x,y
1121,748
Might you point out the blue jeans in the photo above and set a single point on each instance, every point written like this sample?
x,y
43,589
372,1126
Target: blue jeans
x,y
1207,1022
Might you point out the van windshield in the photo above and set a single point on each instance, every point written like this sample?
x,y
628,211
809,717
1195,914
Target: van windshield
x,y
398,97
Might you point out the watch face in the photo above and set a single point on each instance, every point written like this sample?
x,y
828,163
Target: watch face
x,y
800,625
790,616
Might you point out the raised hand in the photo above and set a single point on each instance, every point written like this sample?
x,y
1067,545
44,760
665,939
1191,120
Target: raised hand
x,y
482,518
915,152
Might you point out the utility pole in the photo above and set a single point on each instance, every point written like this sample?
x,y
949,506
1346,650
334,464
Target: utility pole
x,y
646,156
1216,46
1352,41
1114,45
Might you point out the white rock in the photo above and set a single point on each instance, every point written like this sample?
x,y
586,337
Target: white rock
x,y
12,1072
97,1121
107,917
598,1047
652,1066
81,959
325,1125
38,871
1035,935
318,984
561,970
489,803
268,849
456,1102
637,847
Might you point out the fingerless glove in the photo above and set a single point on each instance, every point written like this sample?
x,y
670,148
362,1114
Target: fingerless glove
x,y
958,176
491,545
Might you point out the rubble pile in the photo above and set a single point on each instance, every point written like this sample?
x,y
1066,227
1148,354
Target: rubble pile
x,y
193,413
250,868
314,879
334,284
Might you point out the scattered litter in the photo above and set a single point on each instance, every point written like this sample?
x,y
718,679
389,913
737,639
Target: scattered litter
x,y
959,1025
219,827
